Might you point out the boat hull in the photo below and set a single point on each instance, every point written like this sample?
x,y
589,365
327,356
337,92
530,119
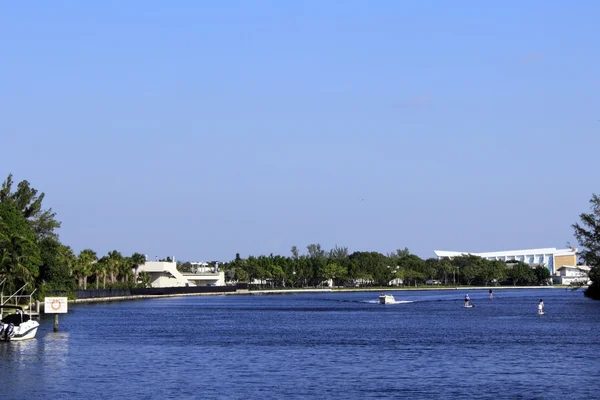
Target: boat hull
x,y
386,299
25,331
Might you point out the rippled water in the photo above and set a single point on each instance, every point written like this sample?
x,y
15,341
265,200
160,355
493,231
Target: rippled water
x,y
325,345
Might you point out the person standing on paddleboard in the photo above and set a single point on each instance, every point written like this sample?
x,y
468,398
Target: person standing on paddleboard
x,y
467,301
541,307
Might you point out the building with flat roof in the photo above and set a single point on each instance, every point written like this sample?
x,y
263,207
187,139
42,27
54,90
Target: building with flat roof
x,y
165,274
552,258
568,275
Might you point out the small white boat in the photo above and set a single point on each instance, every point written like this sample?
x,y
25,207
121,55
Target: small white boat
x,y
17,326
386,299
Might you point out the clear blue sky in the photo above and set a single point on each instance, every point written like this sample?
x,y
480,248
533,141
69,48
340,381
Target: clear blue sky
x,y
198,129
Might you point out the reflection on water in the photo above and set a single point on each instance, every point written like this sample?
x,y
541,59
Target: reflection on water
x,y
56,341
19,351
55,370
40,363
16,361
334,345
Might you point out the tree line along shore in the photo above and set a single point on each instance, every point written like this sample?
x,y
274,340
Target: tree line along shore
x,y
32,256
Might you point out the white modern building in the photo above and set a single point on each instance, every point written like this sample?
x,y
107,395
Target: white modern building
x,y
571,275
203,274
165,274
552,258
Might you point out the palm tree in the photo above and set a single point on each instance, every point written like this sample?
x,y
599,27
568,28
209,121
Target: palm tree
x,y
137,260
16,253
125,269
85,261
69,259
144,279
115,259
99,269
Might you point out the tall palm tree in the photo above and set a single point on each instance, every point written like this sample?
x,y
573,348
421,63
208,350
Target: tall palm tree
x,y
85,261
69,259
115,259
99,269
125,269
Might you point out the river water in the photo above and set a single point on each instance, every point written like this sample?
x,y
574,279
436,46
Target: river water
x,y
321,345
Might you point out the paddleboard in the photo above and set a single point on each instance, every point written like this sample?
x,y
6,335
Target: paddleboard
x,y
469,306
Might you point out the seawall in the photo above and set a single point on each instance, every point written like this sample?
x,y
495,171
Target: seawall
x,y
246,292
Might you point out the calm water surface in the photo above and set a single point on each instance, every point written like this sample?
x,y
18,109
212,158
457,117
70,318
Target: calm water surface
x,y
326,345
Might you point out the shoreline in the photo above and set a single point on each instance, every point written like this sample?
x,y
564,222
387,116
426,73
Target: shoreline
x,y
385,290
295,291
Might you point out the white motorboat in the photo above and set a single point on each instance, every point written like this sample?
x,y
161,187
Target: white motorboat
x,y
17,326
386,299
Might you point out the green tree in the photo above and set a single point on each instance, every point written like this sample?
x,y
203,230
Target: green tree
x,y
445,269
316,257
541,275
338,252
414,269
410,275
183,267
303,270
294,251
125,271
27,200
241,275
252,268
19,253
85,261
144,279
114,262
492,271
371,266
401,274
333,271
587,233
59,264
467,266
236,270
402,252
315,251
137,260
498,271
99,269
521,272
277,274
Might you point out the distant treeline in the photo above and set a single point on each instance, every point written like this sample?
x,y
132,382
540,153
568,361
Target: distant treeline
x,y
361,268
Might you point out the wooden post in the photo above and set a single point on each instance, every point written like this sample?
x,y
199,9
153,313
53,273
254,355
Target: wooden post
x,y
55,322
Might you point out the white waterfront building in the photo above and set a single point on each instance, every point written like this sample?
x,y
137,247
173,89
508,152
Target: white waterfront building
x,y
572,275
165,274
551,257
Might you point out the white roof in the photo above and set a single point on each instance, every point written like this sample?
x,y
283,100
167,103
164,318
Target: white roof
x,y
155,266
511,253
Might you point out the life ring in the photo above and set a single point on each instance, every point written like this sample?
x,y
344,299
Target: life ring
x,y
55,305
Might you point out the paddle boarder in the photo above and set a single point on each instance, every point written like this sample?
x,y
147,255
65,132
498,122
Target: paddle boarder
x,y
467,301
491,295
541,307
